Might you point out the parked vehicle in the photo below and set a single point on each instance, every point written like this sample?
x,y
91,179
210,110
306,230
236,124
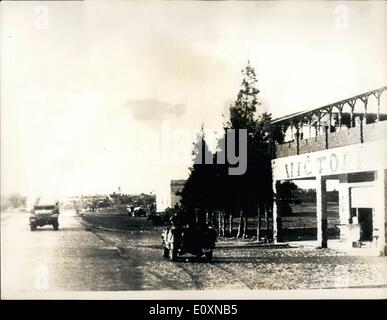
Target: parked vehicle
x,y
136,211
197,240
44,214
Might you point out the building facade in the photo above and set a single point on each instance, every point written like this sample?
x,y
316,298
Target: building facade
x,y
349,147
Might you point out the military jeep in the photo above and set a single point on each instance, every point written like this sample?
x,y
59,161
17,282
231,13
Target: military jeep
x,y
43,214
197,240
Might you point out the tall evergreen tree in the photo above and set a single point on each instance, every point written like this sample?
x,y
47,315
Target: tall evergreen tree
x,y
210,188
198,192
254,187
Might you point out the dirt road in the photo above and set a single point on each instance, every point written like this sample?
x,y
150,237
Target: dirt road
x,y
75,258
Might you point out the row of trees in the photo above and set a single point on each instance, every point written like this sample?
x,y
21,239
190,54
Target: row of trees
x,y
136,200
13,200
145,201
211,194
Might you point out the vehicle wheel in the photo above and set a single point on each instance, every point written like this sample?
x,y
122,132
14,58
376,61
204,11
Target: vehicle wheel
x,y
55,226
165,252
209,256
32,227
172,254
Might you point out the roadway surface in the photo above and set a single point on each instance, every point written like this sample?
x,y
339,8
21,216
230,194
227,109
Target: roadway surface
x,y
75,258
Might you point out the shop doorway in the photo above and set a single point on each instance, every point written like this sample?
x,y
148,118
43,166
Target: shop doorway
x,y
366,223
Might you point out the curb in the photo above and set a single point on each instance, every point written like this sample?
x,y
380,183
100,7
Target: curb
x,y
93,226
255,245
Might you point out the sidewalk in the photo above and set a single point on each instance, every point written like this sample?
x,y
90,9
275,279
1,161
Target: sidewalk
x,y
336,244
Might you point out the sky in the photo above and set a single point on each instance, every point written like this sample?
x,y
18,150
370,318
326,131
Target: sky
x,y
99,95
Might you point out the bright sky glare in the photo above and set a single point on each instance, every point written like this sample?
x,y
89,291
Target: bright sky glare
x,y
96,95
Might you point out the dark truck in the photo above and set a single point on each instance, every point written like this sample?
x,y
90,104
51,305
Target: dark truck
x,y
43,214
197,240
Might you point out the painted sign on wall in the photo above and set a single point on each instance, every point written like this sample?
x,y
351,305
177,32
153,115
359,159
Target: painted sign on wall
x,y
354,158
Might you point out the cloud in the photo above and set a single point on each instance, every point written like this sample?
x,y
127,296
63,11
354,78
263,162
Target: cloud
x,y
154,110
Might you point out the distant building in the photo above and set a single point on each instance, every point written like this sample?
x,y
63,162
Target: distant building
x,y
176,187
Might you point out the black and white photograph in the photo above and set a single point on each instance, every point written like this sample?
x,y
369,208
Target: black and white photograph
x,y
193,150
